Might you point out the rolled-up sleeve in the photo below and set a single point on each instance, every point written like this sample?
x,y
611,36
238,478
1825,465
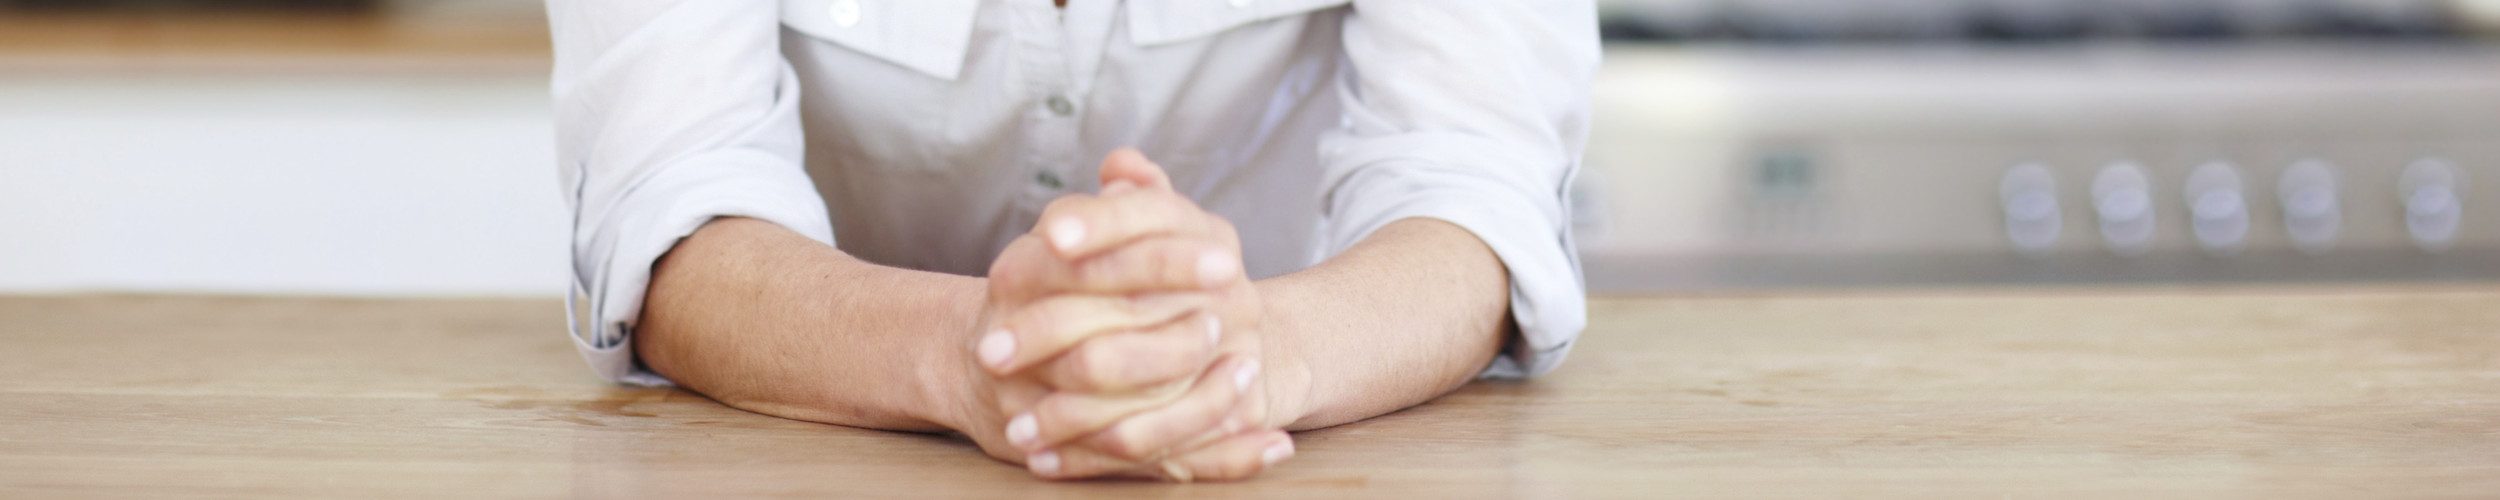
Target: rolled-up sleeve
x,y
669,113
1472,112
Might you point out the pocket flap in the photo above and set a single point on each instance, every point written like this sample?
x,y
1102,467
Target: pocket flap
x,y
1153,22
929,36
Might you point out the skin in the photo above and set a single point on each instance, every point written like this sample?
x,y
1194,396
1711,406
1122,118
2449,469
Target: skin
x,y
1117,302
1113,372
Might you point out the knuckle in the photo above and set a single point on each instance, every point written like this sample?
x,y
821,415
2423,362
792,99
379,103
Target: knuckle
x,y
1004,275
1126,443
1249,413
1099,371
1100,272
1171,197
1227,469
1172,264
1130,266
1191,350
1144,307
1175,472
1008,258
1023,321
1070,372
1148,266
1161,203
1160,368
1115,219
1064,204
1243,468
1054,414
1220,225
1217,409
1184,344
1038,321
1008,274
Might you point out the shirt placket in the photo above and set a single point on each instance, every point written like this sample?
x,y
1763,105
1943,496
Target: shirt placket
x,y
1052,107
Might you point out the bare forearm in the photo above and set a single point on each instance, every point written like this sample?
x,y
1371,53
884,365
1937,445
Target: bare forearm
x,y
761,318
1414,311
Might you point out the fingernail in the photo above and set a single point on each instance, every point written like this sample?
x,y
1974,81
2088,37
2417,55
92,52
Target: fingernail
x,y
1065,234
997,347
1118,186
1023,431
1047,463
1275,453
1241,378
1215,330
1214,269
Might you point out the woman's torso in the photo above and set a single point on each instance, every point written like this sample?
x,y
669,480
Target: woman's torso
x,y
926,172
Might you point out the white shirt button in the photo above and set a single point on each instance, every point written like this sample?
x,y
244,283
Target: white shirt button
x,y
844,12
1241,3
1059,105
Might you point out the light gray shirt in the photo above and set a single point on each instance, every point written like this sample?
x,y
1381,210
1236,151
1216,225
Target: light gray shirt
x,y
926,134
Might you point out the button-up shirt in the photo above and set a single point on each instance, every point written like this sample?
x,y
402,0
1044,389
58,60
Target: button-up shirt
x,y
926,134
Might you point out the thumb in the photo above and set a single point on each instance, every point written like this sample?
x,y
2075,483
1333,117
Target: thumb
x,y
1126,168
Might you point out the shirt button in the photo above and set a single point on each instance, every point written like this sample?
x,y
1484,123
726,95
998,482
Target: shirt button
x,y
1059,105
844,12
1241,3
1048,179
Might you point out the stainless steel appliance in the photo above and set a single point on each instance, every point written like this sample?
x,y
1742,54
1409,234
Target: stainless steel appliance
x,y
1936,156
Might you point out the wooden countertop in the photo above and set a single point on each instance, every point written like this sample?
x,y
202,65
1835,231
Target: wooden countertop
x,y
2333,393
260,43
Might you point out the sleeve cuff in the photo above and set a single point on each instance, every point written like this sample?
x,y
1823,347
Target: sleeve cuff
x,y
614,257
1547,298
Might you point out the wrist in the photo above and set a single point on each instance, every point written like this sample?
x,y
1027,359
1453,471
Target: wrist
x,y
1292,386
944,365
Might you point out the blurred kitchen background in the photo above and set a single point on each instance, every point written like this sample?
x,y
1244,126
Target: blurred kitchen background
x,y
1773,143
358,147
402,147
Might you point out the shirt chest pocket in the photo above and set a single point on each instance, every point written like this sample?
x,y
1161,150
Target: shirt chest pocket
x,y
931,36
878,77
886,80
1157,22
928,36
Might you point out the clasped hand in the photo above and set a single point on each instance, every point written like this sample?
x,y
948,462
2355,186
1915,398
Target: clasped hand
x,y
1121,339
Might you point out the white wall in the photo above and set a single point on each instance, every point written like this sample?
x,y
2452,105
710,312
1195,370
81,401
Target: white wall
x,y
388,185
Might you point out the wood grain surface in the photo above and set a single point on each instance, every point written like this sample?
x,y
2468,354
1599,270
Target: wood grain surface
x,y
273,43
2303,393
